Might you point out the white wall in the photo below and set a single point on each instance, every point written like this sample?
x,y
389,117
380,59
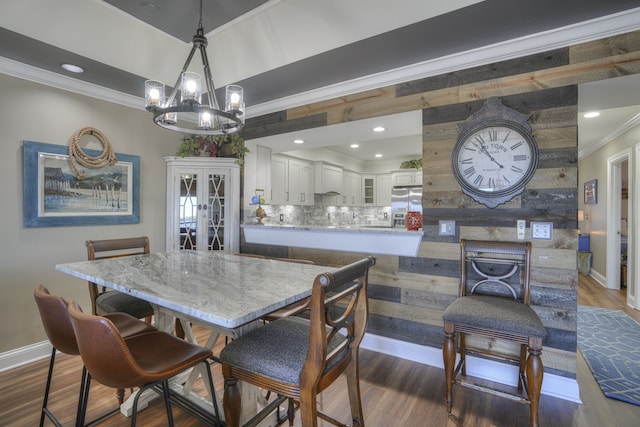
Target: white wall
x,y
30,111
595,167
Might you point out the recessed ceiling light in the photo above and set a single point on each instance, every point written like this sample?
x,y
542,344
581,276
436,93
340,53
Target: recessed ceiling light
x,y
354,146
591,114
379,129
73,68
150,9
378,155
298,141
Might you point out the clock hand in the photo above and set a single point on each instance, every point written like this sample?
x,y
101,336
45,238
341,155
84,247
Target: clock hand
x,y
483,149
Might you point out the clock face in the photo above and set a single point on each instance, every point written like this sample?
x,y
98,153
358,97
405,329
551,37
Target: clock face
x,y
493,162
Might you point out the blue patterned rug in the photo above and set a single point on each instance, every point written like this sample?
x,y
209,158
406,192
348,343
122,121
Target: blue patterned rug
x,y
610,343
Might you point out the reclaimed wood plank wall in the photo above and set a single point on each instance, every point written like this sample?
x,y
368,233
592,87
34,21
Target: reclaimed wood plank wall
x,y
409,294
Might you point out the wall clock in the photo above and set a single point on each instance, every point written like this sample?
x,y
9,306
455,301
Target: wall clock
x,y
495,155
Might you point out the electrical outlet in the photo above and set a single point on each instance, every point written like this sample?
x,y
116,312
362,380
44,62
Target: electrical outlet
x,y
542,230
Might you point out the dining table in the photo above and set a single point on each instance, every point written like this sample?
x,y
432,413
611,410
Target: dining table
x,y
222,292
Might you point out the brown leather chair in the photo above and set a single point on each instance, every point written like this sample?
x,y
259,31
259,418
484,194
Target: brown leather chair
x,y
143,361
493,302
298,358
57,325
103,301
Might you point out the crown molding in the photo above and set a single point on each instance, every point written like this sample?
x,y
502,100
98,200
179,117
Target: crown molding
x,y
59,81
582,32
616,133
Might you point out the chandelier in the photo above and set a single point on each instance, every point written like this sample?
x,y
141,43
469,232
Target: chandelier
x,y
206,117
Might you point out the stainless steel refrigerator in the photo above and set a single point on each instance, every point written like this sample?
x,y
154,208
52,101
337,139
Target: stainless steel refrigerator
x,y
403,200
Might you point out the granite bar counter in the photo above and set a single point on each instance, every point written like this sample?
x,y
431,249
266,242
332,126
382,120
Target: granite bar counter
x,y
364,239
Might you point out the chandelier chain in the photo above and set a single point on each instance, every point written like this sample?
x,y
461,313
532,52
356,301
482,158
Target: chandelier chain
x,y
78,155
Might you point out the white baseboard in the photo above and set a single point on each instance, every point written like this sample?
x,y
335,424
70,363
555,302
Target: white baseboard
x,y
595,275
552,385
21,356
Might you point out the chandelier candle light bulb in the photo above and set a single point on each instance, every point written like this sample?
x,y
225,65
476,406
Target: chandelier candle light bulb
x,y
154,92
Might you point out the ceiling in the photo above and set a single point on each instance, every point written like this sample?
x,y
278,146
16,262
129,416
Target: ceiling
x,y
292,52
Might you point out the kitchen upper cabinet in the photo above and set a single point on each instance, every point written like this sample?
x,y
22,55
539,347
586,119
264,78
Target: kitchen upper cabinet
x,y
203,204
279,180
376,190
300,183
351,189
407,178
327,178
383,190
369,186
263,172
291,181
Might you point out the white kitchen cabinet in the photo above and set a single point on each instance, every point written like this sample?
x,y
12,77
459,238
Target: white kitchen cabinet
x,y
406,178
351,189
327,178
279,180
291,181
263,172
383,190
300,183
203,204
376,190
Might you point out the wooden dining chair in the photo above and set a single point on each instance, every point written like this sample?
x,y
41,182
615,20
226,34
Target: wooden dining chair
x,y
57,325
299,358
493,302
104,301
145,361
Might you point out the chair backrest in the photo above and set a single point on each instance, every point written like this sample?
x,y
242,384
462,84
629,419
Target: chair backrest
x,y
56,321
112,248
339,304
497,268
104,352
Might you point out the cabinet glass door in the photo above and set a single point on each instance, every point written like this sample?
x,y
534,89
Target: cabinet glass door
x,y
215,212
188,211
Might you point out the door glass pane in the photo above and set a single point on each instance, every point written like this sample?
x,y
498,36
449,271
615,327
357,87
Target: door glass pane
x,y
215,212
188,210
368,190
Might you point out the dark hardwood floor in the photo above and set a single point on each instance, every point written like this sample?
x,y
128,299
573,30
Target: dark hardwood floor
x,y
395,392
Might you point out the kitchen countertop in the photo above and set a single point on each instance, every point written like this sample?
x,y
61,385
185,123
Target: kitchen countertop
x,y
363,239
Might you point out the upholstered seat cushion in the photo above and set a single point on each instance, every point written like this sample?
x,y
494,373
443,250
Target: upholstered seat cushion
x,y
276,350
111,302
496,313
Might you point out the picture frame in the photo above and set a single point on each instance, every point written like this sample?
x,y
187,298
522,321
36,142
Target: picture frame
x,y
54,197
591,192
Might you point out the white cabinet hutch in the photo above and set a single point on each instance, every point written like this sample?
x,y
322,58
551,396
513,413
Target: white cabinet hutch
x,y
203,204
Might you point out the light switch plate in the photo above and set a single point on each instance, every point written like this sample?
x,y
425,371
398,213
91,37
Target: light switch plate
x,y
446,228
542,230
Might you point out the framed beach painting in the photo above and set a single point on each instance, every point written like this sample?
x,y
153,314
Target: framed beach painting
x,y
54,197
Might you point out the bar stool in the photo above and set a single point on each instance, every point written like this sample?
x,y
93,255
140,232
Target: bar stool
x,y
298,358
493,302
57,325
144,361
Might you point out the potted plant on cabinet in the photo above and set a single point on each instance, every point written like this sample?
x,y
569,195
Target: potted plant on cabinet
x,y
230,145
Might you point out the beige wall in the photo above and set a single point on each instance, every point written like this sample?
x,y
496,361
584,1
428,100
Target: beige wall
x,y
594,166
30,111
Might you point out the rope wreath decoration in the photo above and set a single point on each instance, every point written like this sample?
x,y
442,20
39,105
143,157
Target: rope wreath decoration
x,y
77,155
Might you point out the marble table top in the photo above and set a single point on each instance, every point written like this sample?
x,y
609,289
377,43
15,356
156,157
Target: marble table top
x,y
221,289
